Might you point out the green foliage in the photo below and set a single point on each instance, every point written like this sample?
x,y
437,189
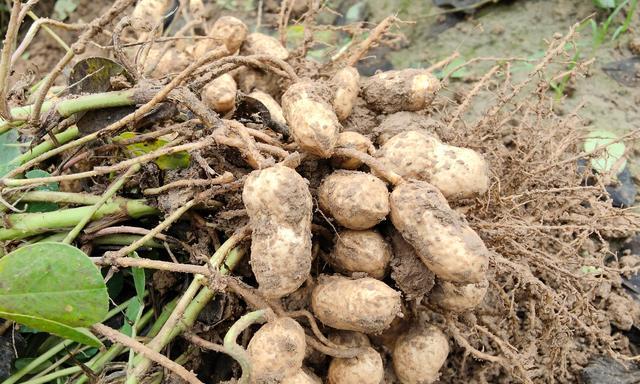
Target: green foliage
x,y
612,155
605,4
173,161
9,150
55,288
41,206
63,8
600,31
451,67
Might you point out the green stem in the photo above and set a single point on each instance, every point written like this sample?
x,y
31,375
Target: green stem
x,y
196,306
125,239
159,228
64,197
50,32
35,363
68,107
53,375
108,194
116,349
62,137
21,225
236,351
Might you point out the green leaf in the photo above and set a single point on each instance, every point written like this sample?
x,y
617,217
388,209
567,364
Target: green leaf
x,y
8,151
605,4
80,335
53,287
295,35
458,74
38,206
130,316
355,12
24,361
138,280
612,154
590,270
63,8
173,161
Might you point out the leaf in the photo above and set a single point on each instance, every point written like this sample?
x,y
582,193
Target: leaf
x,y
130,316
40,206
63,8
80,335
138,280
24,361
610,156
9,150
178,160
605,4
458,74
53,287
93,75
590,270
295,35
355,12
134,310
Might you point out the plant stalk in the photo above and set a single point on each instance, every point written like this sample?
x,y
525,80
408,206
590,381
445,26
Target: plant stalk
x,y
236,351
21,225
68,107
192,311
108,194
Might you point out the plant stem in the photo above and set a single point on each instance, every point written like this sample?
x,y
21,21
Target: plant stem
x,y
53,35
61,197
124,239
56,349
108,194
21,225
236,351
159,228
206,294
120,338
116,349
68,107
62,137
168,149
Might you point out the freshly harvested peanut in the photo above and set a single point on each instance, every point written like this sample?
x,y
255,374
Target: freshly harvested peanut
x,y
275,110
227,31
458,298
230,31
364,305
401,90
458,173
313,123
357,200
419,354
346,88
352,140
220,94
261,44
279,207
302,377
276,351
405,121
148,13
442,239
361,251
366,368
